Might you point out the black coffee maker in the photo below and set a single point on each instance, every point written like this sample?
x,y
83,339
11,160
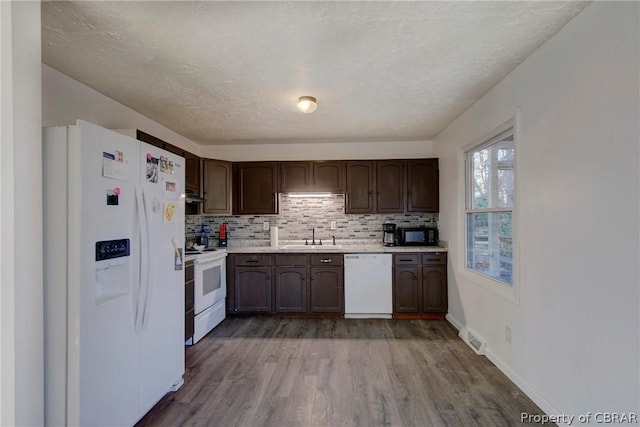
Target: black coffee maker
x,y
388,234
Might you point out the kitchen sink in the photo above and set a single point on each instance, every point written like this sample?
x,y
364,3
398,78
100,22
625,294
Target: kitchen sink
x,y
311,247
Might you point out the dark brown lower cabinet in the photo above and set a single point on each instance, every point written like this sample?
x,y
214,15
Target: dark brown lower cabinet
x,y
406,283
188,300
291,289
420,283
302,283
327,290
434,289
253,289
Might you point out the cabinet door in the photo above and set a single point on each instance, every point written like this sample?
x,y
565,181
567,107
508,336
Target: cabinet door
x,y
327,290
390,183
406,289
192,172
255,186
217,187
328,176
434,289
295,176
422,185
253,289
360,185
291,289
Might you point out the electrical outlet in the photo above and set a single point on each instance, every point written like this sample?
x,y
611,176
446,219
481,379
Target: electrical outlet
x,y
265,226
333,225
507,334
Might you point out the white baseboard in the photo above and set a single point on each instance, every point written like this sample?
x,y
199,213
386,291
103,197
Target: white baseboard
x,y
455,322
531,393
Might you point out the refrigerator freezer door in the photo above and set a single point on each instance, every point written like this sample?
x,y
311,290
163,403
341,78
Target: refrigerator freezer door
x,y
103,349
162,323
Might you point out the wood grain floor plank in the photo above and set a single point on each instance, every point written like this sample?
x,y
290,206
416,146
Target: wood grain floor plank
x,y
304,372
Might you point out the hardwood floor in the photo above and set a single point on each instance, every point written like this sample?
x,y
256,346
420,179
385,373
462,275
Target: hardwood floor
x,y
268,371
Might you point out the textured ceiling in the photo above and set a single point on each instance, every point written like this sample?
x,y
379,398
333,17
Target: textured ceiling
x,y
221,72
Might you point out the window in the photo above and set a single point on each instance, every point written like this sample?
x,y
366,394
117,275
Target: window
x,y
490,190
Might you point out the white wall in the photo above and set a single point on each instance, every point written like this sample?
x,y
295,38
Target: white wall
x,y
575,330
64,100
321,151
21,330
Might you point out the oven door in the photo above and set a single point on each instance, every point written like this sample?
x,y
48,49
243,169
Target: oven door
x,y
209,282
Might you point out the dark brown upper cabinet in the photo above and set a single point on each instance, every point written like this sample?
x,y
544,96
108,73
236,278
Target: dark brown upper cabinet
x,y
361,183
328,176
192,172
317,176
295,176
216,181
422,186
390,186
255,186
375,186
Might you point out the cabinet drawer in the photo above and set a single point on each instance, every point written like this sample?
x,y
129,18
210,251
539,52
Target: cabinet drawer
x,y
406,259
188,271
434,258
291,259
188,296
326,259
252,260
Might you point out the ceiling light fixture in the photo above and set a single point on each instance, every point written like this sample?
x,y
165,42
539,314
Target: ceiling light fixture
x,y
307,104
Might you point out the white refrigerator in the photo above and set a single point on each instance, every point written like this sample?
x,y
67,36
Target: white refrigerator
x,y
114,278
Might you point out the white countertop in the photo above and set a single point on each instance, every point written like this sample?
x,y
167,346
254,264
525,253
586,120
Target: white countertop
x,y
347,249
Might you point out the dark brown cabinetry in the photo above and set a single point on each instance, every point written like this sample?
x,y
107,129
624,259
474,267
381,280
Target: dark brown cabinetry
x,y
390,186
255,186
295,176
192,172
216,180
291,283
318,176
375,186
328,176
303,283
422,185
188,300
360,187
251,283
327,283
420,283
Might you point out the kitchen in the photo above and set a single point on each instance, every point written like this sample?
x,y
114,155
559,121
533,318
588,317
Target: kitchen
x,y
575,77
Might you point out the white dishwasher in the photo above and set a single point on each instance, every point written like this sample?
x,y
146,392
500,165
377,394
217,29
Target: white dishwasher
x,y
367,286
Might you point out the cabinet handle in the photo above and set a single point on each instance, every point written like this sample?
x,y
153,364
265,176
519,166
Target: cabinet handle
x,y
325,260
407,260
252,260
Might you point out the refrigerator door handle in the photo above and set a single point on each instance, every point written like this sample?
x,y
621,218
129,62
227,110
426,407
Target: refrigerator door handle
x,y
146,262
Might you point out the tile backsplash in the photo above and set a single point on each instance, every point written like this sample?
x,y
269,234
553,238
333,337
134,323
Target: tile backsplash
x,y
298,216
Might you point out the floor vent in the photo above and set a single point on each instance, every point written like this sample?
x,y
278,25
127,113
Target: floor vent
x,y
473,340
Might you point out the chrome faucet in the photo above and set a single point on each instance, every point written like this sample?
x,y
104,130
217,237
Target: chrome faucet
x,y
313,236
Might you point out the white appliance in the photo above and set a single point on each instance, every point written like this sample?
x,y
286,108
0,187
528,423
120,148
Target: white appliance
x,y
210,291
368,286
114,277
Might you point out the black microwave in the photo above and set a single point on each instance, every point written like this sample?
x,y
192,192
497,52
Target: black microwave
x,y
418,236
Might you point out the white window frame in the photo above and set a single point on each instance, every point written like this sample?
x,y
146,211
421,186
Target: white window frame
x,y
506,291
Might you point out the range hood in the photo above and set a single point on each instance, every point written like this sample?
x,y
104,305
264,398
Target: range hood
x,y
191,197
